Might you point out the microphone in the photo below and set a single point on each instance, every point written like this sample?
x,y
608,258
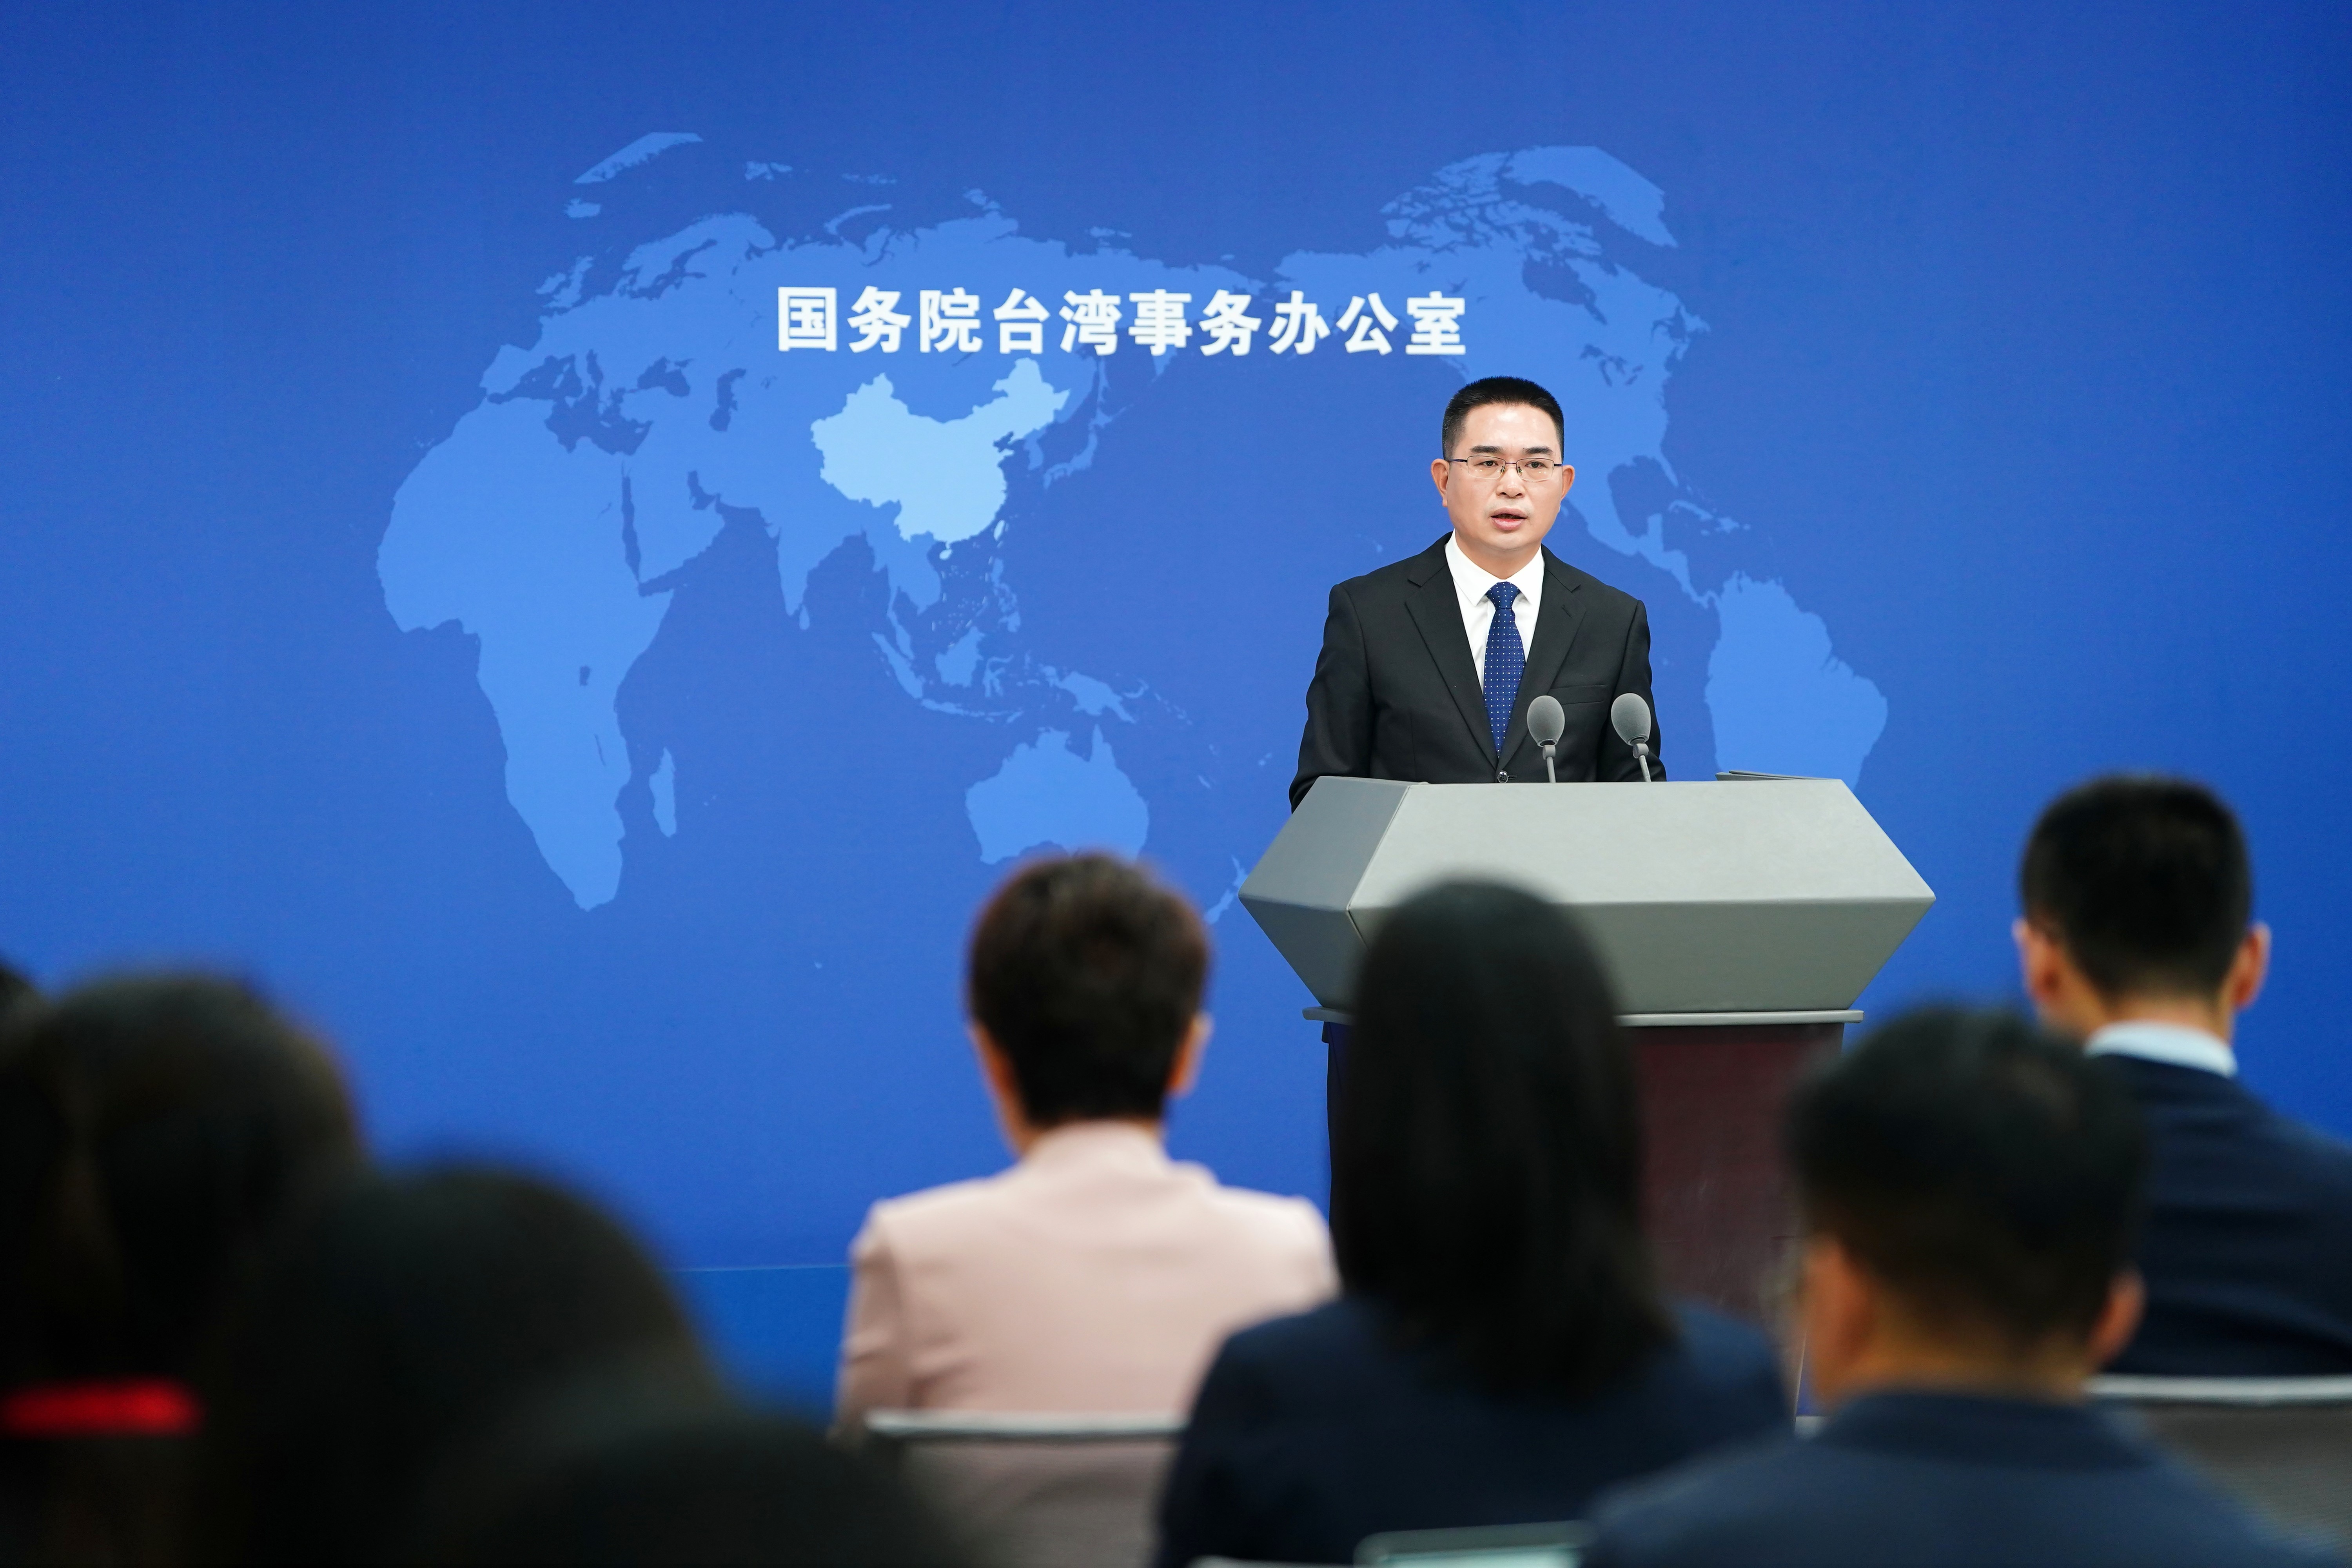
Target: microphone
x,y
1546,723
1630,715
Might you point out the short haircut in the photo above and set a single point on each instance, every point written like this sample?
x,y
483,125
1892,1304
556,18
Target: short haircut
x,y
1987,1173
1494,389
154,1132
1486,1160
1088,975
406,1316
2146,883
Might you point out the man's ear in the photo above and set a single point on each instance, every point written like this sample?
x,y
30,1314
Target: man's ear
x,y
1187,1071
2119,1319
1839,1313
1438,468
2249,969
2037,961
1567,478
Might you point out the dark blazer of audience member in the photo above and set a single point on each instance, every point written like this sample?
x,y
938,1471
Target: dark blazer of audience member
x,y
1968,1189
1501,1352
392,1333
152,1133
2137,938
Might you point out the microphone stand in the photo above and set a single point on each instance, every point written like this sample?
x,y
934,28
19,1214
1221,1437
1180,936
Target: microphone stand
x,y
1642,756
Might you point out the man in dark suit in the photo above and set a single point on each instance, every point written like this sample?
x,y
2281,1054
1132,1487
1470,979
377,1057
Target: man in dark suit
x,y
1968,1188
2138,939
1429,664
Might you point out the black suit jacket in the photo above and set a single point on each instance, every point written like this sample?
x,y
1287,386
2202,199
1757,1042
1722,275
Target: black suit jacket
x,y
1936,1479
1310,1433
2248,1247
1396,692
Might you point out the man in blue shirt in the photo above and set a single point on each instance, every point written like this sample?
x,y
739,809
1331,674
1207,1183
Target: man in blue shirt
x,y
1968,1188
2138,939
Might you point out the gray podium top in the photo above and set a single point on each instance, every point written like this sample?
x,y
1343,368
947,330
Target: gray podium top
x,y
1750,896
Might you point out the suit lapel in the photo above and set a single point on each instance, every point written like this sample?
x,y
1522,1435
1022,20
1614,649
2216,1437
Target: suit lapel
x,y
1556,622
1438,614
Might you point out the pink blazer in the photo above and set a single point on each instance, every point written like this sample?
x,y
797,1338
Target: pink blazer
x,y
1095,1275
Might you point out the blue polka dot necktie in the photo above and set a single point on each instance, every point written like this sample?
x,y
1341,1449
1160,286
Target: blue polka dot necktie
x,y
1505,659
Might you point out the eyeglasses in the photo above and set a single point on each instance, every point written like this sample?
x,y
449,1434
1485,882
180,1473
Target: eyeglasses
x,y
1535,471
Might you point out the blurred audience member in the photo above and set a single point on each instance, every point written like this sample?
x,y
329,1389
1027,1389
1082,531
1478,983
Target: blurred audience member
x,y
621,1472
1501,1351
153,1131
15,987
1969,1190
405,1320
1097,1274
2137,937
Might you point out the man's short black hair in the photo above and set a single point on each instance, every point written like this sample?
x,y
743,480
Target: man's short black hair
x,y
1087,973
1497,389
2146,883
1987,1173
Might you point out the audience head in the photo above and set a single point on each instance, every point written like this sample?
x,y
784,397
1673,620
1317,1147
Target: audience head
x,y
2137,897
1970,1189
1085,988
14,988
404,1317
615,1473
1487,1157
153,1131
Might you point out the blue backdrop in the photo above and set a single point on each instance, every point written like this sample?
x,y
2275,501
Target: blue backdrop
x,y
429,584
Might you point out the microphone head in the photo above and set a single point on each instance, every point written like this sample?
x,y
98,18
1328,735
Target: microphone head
x,y
1546,720
1629,717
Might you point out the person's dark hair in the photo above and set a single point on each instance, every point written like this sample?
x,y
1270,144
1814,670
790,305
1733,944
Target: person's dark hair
x,y
621,1473
1486,1164
1088,975
1509,389
153,1132
408,1315
2144,881
1989,1175
15,987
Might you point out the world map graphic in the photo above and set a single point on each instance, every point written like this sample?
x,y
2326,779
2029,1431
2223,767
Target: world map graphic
x,y
655,408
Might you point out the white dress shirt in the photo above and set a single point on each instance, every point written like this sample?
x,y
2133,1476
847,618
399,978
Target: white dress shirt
x,y
1471,581
2174,1044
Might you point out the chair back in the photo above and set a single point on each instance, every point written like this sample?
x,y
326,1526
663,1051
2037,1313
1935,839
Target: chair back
x,y
2281,1445
1023,1491
1558,1545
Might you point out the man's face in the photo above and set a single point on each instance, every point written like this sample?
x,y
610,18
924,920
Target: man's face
x,y
1501,522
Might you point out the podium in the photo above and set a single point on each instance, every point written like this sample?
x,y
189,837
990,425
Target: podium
x,y
1738,919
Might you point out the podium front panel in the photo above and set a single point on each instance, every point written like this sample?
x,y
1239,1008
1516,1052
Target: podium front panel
x,y
1756,895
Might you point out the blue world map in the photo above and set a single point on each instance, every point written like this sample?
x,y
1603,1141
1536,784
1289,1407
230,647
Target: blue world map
x,y
655,408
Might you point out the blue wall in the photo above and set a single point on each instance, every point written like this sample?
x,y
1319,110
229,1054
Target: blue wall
x,y
1963,387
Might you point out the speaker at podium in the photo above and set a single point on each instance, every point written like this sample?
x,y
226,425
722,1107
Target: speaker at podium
x,y
1739,920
